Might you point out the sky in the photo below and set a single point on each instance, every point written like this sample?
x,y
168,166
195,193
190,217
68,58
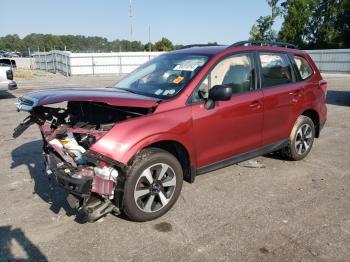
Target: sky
x,y
181,21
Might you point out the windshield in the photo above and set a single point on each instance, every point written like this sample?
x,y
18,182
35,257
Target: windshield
x,y
164,76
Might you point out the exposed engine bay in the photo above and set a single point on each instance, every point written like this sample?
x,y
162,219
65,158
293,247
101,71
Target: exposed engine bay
x,y
68,133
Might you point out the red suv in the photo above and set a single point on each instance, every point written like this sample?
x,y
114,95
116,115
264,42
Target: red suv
x,y
129,147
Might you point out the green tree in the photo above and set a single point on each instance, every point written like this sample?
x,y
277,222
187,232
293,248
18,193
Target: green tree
x,y
322,27
343,24
262,30
149,47
316,23
297,18
164,45
11,43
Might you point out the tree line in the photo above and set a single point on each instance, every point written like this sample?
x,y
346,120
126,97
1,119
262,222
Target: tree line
x,y
79,43
309,24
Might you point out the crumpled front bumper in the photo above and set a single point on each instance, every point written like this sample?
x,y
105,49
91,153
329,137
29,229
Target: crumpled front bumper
x,y
73,182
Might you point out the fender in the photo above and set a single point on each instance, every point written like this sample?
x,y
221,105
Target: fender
x,y
160,138
127,138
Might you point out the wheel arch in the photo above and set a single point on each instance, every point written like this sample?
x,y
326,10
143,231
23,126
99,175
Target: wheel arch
x,y
177,149
312,113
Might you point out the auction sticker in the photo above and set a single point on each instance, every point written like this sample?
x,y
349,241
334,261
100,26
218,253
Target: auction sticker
x,y
189,67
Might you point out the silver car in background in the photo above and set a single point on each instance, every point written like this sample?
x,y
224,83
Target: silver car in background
x,y
6,78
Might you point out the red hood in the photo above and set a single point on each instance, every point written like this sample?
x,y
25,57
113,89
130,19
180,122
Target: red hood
x,y
111,96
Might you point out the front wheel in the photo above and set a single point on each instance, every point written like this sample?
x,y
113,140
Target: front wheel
x,y
153,184
301,139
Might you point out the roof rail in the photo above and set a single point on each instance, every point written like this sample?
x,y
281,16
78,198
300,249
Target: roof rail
x,y
197,45
263,43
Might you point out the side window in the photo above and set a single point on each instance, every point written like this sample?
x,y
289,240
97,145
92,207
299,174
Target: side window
x,y
276,69
236,71
303,66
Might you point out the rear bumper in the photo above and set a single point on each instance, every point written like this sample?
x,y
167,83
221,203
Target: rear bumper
x,y
8,85
12,85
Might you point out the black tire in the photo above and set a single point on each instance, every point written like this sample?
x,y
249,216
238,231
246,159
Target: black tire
x,y
299,145
152,161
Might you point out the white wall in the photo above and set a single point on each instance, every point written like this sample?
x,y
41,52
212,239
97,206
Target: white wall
x,y
328,61
24,62
92,63
331,60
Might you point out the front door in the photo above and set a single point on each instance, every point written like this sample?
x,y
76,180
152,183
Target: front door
x,y
232,127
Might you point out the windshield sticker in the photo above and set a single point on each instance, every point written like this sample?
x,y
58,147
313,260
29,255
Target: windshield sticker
x,y
188,67
158,92
178,80
169,92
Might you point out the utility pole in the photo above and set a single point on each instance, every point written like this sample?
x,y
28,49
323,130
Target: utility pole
x,y
130,16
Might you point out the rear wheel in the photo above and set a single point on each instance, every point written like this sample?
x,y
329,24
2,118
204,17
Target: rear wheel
x,y
301,139
153,184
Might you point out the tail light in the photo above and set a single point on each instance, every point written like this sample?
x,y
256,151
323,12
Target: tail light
x,y
9,74
323,85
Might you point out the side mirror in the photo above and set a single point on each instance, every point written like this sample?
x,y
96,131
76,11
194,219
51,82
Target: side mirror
x,y
218,93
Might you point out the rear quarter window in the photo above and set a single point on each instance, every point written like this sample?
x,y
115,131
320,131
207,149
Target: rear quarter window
x,y
305,70
275,69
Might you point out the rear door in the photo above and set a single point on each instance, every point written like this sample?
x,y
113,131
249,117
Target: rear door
x,y
232,127
282,96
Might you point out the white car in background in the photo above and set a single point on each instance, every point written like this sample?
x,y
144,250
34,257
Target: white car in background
x,y
6,78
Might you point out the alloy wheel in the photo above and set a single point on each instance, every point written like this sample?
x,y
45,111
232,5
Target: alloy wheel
x,y
303,139
155,187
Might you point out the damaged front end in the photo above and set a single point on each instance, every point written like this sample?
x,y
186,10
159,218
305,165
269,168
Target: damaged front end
x,y
93,180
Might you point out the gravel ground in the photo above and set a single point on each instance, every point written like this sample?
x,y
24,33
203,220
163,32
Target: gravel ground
x,y
277,211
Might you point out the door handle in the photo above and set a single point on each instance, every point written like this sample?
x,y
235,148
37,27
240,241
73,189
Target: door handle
x,y
255,105
296,95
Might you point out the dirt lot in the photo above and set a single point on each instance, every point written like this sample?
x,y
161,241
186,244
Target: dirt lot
x,y
286,211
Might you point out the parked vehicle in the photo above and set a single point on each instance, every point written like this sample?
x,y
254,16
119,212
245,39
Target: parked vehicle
x,y
28,53
128,148
3,53
6,77
8,62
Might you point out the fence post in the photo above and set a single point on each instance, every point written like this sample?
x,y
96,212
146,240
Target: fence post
x,y
54,60
120,64
67,70
93,67
45,60
39,60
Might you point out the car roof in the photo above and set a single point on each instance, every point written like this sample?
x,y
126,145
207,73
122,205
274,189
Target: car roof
x,y
205,50
214,50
